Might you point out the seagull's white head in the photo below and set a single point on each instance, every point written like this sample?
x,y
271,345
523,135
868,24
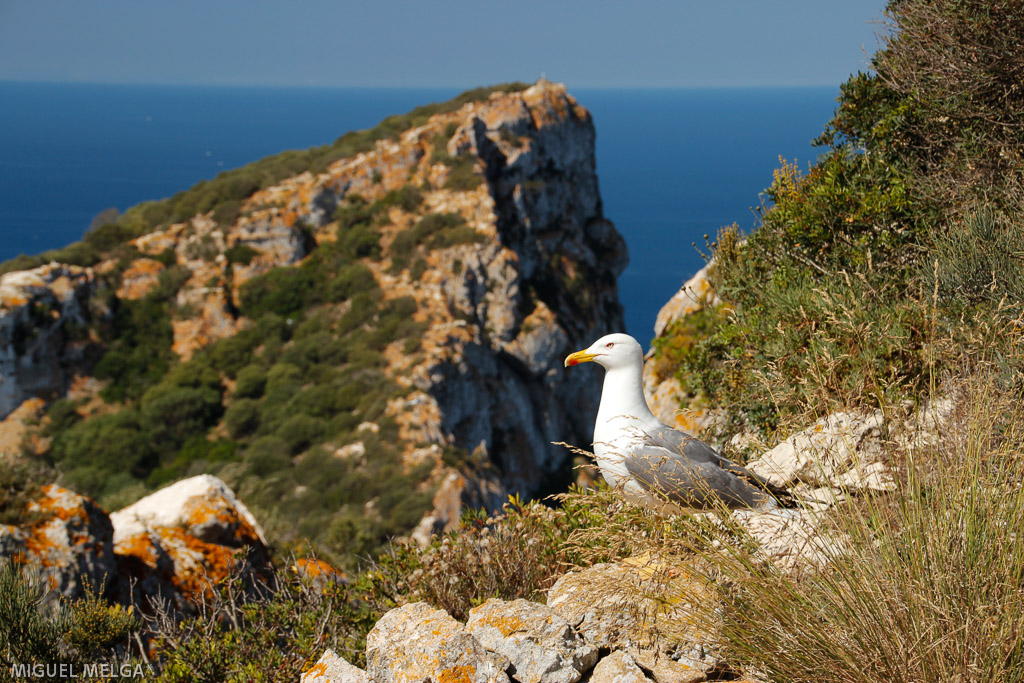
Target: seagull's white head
x,y
610,352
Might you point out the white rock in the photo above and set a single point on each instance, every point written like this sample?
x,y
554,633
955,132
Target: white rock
x,y
416,642
843,449
791,538
618,667
541,645
204,505
331,668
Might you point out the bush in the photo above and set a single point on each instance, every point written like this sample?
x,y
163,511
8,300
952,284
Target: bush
x,y
250,381
139,352
351,280
281,291
93,450
171,414
267,455
241,253
242,418
73,634
300,431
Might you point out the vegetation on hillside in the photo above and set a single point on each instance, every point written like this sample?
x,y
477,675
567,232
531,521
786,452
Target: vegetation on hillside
x,y
270,408
224,194
868,272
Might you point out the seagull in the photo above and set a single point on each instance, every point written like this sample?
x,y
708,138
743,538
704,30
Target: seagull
x,y
650,462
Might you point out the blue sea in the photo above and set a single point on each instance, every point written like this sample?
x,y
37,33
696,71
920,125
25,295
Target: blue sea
x,y
674,165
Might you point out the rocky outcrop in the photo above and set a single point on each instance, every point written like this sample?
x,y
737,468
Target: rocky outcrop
x,y
500,309
183,540
665,394
629,622
331,668
44,331
416,642
71,545
631,605
177,544
540,645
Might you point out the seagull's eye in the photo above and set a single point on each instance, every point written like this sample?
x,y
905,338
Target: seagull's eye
x,y
610,344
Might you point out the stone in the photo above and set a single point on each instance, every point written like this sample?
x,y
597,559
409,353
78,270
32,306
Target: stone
x,y
618,667
43,313
182,540
696,294
843,450
633,605
542,646
792,538
202,506
71,545
331,668
416,642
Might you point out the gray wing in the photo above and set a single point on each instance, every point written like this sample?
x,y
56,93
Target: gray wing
x,y
685,470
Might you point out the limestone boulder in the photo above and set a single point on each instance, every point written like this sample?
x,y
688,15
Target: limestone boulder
x,y
695,295
182,541
792,539
70,543
618,667
666,618
842,450
416,642
202,506
541,645
331,668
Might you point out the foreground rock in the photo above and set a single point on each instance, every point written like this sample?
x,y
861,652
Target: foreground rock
x,y
618,667
331,668
842,450
181,541
631,605
416,642
175,545
542,646
71,545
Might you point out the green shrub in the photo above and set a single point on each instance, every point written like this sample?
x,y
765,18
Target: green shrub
x,y
94,449
463,175
267,455
282,291
242,417
241,253
140,351
435,231
351,280
73,634
300,431
171,414
980,259
250,381
408,198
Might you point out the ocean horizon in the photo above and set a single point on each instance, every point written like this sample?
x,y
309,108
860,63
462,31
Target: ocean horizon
x,y
673,164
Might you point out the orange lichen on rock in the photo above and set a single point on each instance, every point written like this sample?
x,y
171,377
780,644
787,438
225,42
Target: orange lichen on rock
x,y
141,277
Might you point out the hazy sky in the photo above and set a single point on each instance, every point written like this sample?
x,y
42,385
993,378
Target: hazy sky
x,y
584,43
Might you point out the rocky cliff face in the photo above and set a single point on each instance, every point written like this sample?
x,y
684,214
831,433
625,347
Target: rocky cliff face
x,y
526,277
44,338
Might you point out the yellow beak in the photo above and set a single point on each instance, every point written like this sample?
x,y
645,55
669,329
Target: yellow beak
x,y
579,357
